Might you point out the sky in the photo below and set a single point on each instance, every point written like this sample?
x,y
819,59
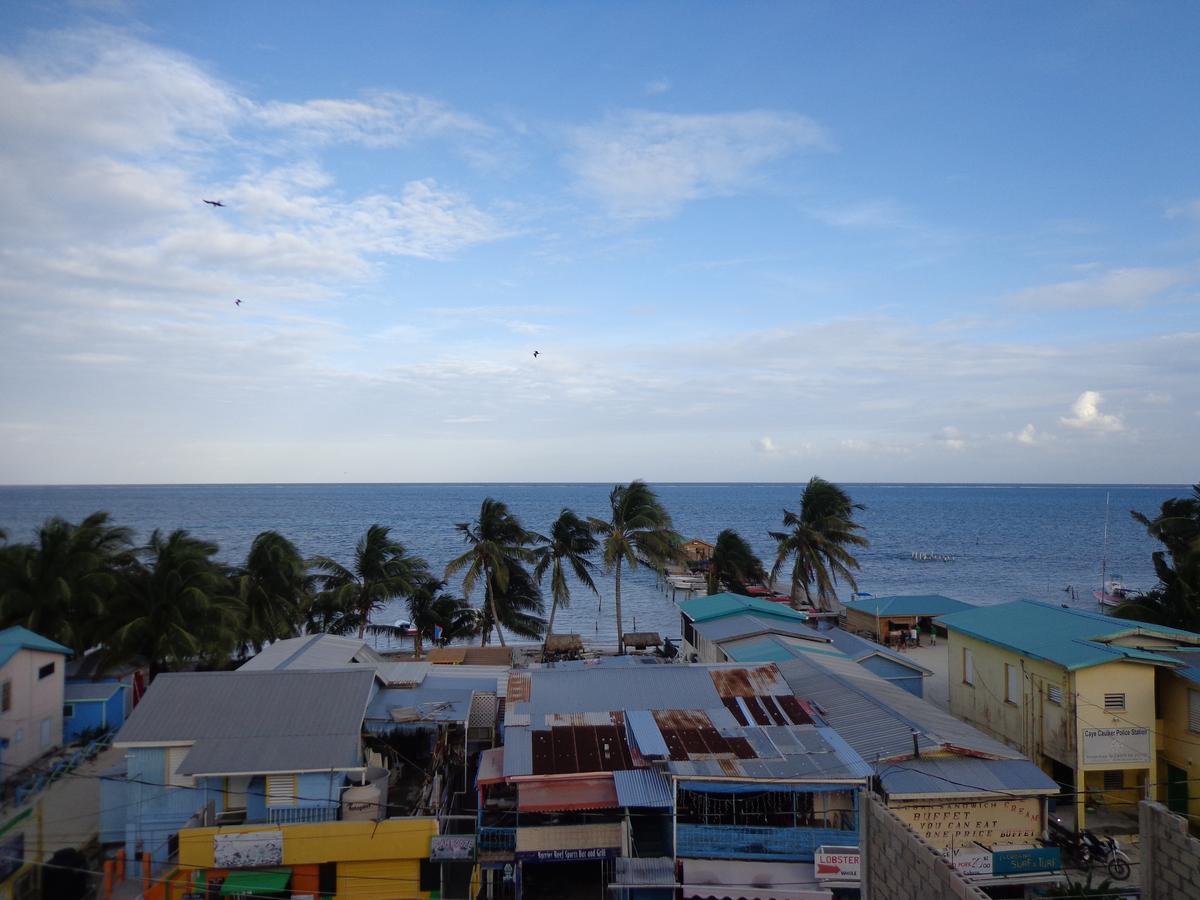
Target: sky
x,y
750,242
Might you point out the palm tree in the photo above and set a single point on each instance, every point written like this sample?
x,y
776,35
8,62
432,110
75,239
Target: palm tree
x,y
519,605
175,605
1176,599
639,532
274,587
497,545
60,585
383,570
569,545
818,542
432,614
733,563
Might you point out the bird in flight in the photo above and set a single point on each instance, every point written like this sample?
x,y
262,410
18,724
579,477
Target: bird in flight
x,y
237,302
214,202
536,353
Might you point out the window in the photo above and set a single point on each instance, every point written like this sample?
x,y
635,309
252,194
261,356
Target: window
x,y
1194,712
1054,694
1012,684
1114,780
6,697
968,666
46,732
1114,701
175,757
46,671
281,790
68,710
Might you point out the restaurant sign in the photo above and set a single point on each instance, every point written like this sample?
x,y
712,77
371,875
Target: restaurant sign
x,y
1021,862
248,849
451,847
970,862
838,863
576,855
1102,746
1015,821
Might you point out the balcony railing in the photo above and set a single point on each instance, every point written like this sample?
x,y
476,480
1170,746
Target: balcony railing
x,y
497,840
293,815
754,842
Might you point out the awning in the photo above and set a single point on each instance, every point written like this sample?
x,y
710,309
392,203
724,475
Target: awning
x,y
256,882
576,793
643,787
727,892
491,766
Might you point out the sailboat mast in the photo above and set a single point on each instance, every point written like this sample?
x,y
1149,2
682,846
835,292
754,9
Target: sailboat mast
x,y
1104,558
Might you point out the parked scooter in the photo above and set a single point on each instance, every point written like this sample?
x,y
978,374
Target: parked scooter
x,y
1106,851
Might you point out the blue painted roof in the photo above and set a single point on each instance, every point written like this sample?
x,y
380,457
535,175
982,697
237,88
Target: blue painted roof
x,y
643,787
715,606
774,648
89,691
859,648
914,605
1072,638
18,637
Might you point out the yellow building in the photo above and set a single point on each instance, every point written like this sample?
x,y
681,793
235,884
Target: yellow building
x,y
1075,691
21,848
1178,745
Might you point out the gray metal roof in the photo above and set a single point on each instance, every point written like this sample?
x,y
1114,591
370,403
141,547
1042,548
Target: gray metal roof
x,y
859,648
435,699
85,691
643,787
964,775
313,651
253,722
747,624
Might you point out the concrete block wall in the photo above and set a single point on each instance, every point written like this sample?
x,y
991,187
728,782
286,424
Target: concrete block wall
x,y
1170,855
898,864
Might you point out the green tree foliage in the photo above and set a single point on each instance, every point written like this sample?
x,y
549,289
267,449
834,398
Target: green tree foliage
x,y
1175,601
639,532
274,588
818,542
568,547
433,615
382,571
497,548
733,564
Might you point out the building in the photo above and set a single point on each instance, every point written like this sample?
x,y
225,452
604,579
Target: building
x,y
717,607
697,550
313,651
886,618
32,670
716,775
99,696
1077,692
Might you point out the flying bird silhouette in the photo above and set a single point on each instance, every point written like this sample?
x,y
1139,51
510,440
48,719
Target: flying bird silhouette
x,y
535,353
237,302
214,202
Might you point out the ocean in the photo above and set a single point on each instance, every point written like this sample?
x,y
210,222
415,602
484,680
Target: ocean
x,y
1005,542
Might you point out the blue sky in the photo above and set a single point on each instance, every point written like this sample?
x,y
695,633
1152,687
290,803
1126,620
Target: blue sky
x,y
752,242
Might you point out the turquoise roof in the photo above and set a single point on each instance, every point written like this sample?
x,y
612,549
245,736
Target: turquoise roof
x,y
716,606
18,637
1072,638
775,648
914,605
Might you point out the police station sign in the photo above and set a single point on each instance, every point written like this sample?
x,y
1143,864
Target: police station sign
x,y
1104,746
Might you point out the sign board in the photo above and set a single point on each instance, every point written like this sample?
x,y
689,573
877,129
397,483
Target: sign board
x,y
970,862
248,849
1020,862
451,846
838,863
1102,746
990,822
567,855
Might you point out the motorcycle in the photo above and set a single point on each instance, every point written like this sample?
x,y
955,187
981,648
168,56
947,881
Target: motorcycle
x,y
1107,852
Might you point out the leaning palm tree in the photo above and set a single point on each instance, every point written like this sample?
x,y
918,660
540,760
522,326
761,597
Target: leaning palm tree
x,y
818,541
383,570
274,587
518,605
733,563
497,543
570,543
432,614
60,585
639,532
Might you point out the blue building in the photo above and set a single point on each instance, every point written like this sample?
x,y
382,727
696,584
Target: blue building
x,y
92,706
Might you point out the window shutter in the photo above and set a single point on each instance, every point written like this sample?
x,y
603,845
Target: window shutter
x,y
968,666
1012,683
1054,694
175,756
281,790
1114,701
1194,712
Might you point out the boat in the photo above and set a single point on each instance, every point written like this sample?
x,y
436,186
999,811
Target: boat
x,y
1114,594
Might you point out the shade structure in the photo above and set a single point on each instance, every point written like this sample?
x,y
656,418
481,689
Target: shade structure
x,y
491,766
255,882
575,793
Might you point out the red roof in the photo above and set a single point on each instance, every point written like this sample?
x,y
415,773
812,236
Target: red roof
x,y
565,794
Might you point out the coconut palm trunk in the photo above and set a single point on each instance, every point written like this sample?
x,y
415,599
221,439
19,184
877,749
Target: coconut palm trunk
x,y
617,604
491,597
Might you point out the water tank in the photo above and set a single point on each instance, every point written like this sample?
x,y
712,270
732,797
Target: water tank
x,y
366,800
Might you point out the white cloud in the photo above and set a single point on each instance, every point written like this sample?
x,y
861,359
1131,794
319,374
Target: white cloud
x,y
646,165
382,119
867,214
1188,210
950,437
658,86
1027,435
766,445
1131,287
1088,417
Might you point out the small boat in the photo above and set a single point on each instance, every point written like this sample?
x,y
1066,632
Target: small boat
x,y
402,625
1114,594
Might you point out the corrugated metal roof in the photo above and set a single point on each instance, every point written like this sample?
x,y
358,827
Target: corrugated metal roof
x,y
1191,664
964,775
643,788
313,651
491,766
644,733
716,606
471,656
859,648
251,722
435,699
773,648
18,637
908,605
84,691
597,792
1072,638
739,625
404,674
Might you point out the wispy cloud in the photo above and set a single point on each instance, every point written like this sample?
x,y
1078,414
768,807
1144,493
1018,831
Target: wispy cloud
x,y
647,165
1086,414
1131,287
381,119
658,86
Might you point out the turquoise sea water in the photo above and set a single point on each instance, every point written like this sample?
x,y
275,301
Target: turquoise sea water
x,y
1007,541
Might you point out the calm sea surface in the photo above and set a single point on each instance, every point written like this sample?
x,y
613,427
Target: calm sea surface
x,y
1007,541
